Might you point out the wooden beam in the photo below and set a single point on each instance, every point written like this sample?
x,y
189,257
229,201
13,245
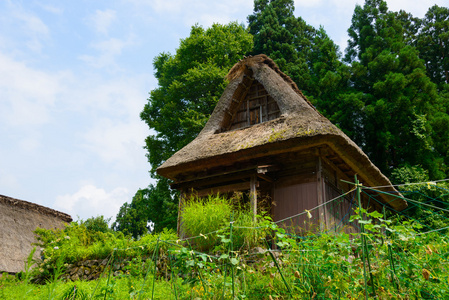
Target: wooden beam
x,y
214,179
243,186
265,177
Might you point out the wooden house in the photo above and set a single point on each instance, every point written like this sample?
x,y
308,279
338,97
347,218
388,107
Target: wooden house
x,y
265,138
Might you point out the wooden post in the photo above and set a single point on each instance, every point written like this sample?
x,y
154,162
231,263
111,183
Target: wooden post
x,y
320,194
253,196
180,207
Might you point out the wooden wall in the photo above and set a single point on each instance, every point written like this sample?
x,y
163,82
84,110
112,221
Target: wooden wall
x,y
307,182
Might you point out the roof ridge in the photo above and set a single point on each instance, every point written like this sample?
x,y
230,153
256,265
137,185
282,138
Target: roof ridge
x,y
39,208
250,61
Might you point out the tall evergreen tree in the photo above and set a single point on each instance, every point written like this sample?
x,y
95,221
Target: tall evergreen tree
x,y
397,97
433,44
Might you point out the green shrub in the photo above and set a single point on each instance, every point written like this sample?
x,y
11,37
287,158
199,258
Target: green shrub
x,y
98,223
78,242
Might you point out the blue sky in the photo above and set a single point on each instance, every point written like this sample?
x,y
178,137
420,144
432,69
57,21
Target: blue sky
x,y
75,75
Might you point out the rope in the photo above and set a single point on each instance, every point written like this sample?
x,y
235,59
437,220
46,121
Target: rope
x,y
413,183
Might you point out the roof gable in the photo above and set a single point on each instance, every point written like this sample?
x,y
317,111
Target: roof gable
x,y
249,106
261,73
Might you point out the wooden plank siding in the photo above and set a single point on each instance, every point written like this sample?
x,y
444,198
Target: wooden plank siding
x,y
293,197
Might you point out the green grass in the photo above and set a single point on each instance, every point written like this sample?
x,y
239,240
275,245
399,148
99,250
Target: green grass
x,y
401,262
322,267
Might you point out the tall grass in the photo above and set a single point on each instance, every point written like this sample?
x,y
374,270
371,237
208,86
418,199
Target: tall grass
x,y
204,217
208,219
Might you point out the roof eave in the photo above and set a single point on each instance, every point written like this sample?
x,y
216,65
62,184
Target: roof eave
x,y
347,151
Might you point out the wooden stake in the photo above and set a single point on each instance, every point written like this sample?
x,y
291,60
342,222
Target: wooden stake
x,y
253,196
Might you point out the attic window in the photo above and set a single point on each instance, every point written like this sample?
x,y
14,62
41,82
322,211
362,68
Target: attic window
x,y
251,105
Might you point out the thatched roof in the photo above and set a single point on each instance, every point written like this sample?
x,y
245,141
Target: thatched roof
x,y
300,126
35,207
18,220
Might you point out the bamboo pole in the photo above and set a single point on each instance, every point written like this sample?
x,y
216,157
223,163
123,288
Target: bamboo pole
x,y
230,251
362,229
390,257
279,269
155,265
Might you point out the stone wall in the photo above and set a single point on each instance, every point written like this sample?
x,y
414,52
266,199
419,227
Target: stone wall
x,y
18,220
94,269
89,270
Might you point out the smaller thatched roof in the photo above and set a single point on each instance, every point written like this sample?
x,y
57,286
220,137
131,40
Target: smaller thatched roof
x,y
18,220
35,207
300,126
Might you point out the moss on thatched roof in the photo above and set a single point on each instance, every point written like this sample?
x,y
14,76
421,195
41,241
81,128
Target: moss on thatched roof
x,y
300,126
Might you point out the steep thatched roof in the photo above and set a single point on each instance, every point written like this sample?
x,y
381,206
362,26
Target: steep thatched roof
x,y
300,126
18,220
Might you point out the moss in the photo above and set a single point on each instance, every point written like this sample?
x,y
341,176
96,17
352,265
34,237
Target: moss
x,y
276,135
246,146
312,131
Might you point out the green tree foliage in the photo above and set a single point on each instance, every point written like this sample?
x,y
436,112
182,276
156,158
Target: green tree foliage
x,y
426,200
98,223
433,44
132,218
278,33
395,98
190,83
151,210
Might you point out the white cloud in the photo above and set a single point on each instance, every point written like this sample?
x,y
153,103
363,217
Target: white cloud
x,y
203,12
52,9
108,50
166,6
33,24
27,93
89,200
110,128
34,28
8,180
102,20
30,143
308,3
416,8
116,143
